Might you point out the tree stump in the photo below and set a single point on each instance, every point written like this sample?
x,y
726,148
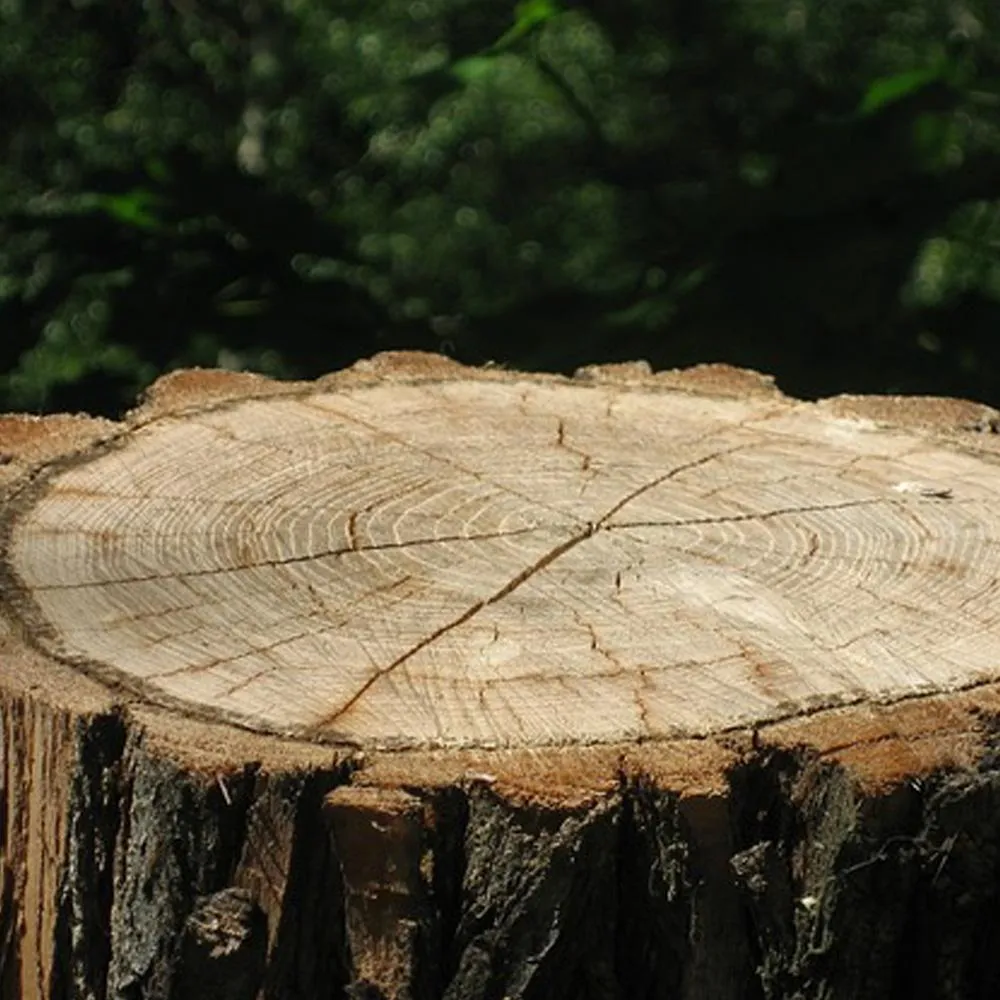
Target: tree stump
x,y
421,681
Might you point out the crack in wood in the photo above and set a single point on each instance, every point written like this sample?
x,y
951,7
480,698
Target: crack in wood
x,y
289,560
548,558
466,615
456,570
760,515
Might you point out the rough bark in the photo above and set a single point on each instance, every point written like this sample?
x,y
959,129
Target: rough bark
x,y
422,682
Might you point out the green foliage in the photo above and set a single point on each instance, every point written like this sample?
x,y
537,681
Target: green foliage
x,y
805,187
889,89
529,15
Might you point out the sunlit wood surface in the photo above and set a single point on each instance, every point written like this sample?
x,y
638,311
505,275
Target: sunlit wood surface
x,y
417,555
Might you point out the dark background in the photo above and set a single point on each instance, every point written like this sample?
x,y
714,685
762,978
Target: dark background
x,y
806,187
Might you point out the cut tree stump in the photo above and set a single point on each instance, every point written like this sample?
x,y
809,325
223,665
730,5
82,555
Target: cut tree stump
x,y
426,682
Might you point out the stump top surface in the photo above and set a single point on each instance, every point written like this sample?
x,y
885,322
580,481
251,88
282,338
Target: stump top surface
x,y
448,559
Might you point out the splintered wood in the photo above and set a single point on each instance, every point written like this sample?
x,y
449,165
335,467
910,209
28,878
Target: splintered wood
x,y
410,558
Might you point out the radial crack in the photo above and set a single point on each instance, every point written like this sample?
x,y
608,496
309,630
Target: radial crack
x,y
764,515
289,560
469,613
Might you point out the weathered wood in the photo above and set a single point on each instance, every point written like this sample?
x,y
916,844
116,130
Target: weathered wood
x,y
422,681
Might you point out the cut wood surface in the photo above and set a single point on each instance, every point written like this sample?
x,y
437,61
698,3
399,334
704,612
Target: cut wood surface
x,y
286,663
513,561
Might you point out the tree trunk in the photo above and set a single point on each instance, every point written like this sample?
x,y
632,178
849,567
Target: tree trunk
x,y
428,682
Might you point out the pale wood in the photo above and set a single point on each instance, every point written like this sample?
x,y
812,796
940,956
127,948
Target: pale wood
x,y
426,681
515,562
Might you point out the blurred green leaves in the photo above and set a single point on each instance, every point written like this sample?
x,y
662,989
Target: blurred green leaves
x,y
288,186
529,15
889,89
138,207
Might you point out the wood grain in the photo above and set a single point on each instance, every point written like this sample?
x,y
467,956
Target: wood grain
x,y
427,681
418,555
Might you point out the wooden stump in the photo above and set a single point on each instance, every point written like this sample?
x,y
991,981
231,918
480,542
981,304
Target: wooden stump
x,y
421,681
